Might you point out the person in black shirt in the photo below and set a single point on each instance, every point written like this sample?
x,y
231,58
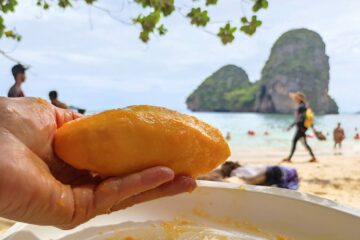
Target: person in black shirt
x,y
300,115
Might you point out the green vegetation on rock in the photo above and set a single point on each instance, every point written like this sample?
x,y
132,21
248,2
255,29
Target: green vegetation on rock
x,y
242,99
227,89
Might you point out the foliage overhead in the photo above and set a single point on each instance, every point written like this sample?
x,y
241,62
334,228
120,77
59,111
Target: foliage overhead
x,y
154,12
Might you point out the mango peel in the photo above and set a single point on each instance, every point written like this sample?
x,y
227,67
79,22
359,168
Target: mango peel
x,y
124,141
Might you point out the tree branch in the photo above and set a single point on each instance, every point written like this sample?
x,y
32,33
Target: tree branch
x,y
110,14
2,52
178,10
9,57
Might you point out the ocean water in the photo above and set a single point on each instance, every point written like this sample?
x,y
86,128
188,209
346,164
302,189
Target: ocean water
x,y
277,144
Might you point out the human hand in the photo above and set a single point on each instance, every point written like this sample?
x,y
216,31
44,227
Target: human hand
x,y
38,188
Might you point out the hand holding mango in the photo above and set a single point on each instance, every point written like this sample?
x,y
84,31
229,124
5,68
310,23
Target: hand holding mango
x,y
123,141
39,188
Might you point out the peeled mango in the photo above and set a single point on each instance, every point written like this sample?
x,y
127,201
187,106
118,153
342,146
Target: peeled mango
x,y
124,141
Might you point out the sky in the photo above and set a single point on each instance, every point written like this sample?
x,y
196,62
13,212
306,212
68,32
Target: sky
x,y
97,62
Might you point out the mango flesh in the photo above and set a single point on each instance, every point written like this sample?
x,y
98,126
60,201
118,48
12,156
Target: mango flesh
x,y
124,141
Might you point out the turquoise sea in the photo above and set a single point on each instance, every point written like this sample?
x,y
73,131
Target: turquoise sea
x,y
278,142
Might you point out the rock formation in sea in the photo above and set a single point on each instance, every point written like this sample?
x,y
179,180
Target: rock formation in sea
x,y
297,62
225,90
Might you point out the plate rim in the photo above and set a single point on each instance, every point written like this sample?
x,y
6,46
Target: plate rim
x,y
274,191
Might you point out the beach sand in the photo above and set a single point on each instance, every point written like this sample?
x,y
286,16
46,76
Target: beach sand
x,y
335,177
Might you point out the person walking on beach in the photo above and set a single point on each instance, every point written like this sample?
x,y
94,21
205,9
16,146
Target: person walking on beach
x,y
53,95
339,135
18,72
303,122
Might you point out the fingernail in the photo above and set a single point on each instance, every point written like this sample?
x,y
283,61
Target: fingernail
x,y
188,182
166,170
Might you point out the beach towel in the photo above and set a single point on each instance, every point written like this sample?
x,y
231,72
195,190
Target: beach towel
x,y
282,177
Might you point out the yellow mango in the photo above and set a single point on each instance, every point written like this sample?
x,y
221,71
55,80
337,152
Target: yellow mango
x,y
123,141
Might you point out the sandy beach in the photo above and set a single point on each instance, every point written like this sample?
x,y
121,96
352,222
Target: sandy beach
x,y
335,177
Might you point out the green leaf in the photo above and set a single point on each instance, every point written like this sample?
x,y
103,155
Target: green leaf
x,y
8,33
166,7
64,3
250,27
162,30
2,26
12,34
226,33
148,23
258,23
259,4
46,6
90,1
144,36
198,17
211,2
265,4
7,5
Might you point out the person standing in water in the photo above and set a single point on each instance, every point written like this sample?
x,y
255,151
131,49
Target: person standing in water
x,y
300,115
18,71
339,135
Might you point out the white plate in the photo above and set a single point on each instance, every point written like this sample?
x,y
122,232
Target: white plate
x,y
232,210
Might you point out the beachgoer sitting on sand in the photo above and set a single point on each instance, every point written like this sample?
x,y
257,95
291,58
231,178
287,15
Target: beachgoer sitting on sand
x,y
53,95
339,135
36,187
223,172
279,176
301,125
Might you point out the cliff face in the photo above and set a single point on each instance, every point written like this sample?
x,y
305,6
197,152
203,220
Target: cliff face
x,y
297,62
225,90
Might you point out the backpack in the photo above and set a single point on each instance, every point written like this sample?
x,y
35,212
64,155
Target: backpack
x,y
309,118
